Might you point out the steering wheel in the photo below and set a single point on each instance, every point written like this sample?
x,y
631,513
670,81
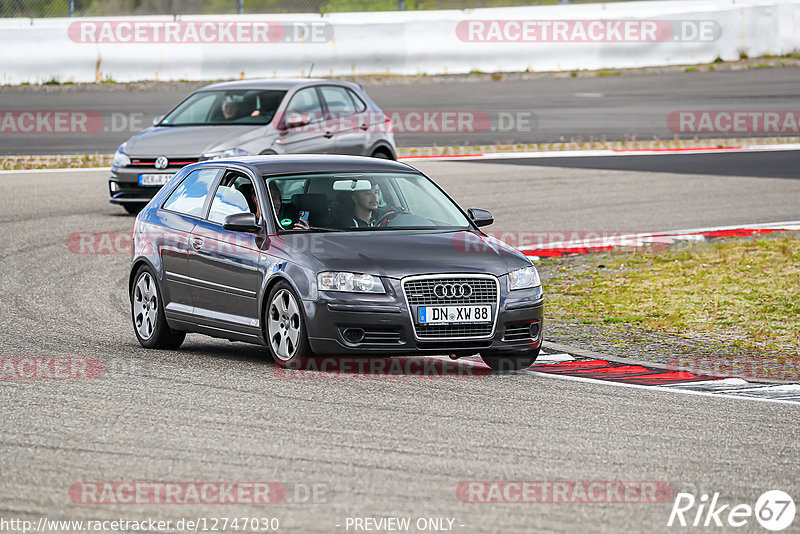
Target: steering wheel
x,y
389,214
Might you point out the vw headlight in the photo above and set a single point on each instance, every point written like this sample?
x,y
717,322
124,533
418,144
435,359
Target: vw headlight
x,y
227,153
121,159
356,283
524,278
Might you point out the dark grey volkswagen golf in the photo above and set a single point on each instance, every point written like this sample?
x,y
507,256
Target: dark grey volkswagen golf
x,y
329,255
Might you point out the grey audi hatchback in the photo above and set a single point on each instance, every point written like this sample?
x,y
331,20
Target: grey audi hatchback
x,y
250,117
329,255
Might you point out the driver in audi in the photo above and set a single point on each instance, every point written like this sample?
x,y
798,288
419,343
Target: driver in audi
x,y
364,204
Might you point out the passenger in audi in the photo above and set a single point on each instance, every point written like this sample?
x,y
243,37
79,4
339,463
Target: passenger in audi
x,y
285,211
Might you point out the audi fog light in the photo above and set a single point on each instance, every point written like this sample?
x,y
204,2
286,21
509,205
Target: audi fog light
x,y
352,282
524,278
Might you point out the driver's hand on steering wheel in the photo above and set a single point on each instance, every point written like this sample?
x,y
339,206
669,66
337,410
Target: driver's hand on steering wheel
x,y
389,214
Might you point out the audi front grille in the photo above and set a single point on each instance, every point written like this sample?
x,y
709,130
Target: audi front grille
x,y
420,291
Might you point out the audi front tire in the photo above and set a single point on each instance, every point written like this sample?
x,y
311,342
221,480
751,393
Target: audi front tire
x,y
285,327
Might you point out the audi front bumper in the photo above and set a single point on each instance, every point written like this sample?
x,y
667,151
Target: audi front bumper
x,y
350,324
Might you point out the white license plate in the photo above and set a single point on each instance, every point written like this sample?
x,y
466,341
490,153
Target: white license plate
x,y
154,179
454,314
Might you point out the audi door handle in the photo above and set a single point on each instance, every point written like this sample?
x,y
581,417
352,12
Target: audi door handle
x,y
328,135
364,126
197,243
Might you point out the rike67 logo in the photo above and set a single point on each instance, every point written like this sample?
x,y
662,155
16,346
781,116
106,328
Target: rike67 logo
x,y
774,510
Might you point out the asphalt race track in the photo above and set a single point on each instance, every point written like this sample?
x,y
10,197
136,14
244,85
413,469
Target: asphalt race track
x,y
539,109
772,164
217,411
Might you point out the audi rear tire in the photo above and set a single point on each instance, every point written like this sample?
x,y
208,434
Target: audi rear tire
x,y
147,311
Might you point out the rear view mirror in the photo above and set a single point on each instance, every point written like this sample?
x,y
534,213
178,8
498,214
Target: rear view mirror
x,y
480,216
352,185
241,222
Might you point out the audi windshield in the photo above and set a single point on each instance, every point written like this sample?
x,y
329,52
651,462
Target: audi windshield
x,y
230,107
354,201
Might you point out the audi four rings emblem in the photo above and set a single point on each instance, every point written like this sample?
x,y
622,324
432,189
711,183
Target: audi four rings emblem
x,y
161,162
444,291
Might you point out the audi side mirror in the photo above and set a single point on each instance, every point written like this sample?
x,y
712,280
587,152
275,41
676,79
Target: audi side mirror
x,y
241,222
480,216
156,120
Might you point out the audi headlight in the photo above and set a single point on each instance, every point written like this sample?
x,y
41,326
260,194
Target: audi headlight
x,y
353,282
227,153
524,278
121,159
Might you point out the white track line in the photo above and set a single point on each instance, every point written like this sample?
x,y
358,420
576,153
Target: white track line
x,y
641,238
605,153
544,154
71,169
657,388
554,358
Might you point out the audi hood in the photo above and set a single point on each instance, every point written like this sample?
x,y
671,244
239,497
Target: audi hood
x,y
400,253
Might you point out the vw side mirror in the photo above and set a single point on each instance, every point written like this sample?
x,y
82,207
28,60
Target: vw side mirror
x,y
296,120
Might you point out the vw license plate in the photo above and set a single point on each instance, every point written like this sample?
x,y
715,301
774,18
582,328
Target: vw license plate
x,y
154,179
454,314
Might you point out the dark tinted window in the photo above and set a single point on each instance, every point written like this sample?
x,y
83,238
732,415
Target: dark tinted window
x,y
253,106
376,201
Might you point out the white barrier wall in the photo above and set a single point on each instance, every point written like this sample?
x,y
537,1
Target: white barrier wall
x,y
431,42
